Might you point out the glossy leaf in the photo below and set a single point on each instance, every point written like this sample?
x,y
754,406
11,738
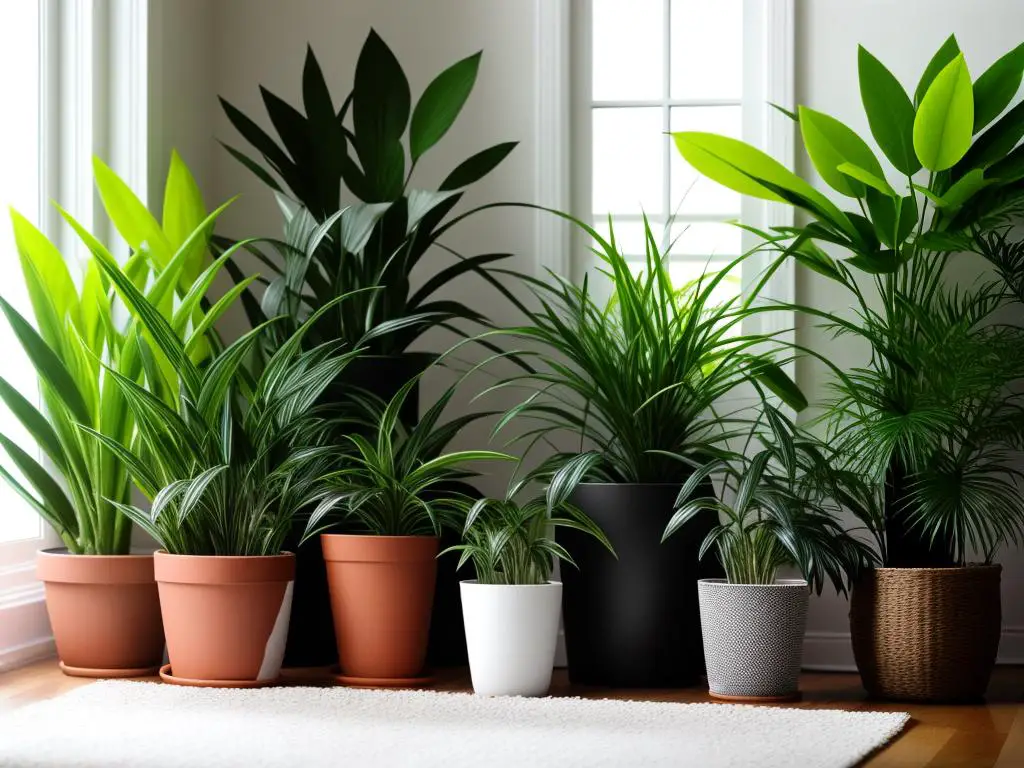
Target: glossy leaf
x,y
830,143
997,86
131,218
944,123
475,167
947,52
878,183
889,111
440,104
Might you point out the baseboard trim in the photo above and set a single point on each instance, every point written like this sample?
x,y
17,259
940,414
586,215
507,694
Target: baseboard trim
x,y
20,655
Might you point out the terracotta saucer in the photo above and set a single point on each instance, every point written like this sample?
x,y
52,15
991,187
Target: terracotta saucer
x,y
381,682
167,677
107,673
795,696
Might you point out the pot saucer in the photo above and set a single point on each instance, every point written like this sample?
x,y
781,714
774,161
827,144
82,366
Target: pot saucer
x,y
795,696
108,673
381,682
167,677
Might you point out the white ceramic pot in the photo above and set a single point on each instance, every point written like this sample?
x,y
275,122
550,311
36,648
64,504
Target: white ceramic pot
x,y
511,632
753,638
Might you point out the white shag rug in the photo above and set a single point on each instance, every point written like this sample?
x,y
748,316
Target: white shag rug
x,y
114,724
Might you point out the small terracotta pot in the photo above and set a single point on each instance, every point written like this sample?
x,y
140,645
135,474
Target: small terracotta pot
x,y
226,617
382,592
104,611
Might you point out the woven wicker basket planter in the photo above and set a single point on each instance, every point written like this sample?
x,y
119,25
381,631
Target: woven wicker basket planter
x,y
926,634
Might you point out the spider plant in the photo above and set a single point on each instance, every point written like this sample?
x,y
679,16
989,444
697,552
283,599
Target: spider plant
x,y
931,419
81,339
401,483
639,376
775,514
382,238
511,543
230,466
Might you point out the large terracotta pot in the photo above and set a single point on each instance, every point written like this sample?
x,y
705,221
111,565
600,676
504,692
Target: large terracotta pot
x,y
226,617
104,611
926,634
382,591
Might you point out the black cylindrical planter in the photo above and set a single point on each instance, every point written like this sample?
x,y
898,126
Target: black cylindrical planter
x,y
634,621
311,629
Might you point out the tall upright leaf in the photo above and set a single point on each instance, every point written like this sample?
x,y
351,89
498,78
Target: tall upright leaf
x,y
945,118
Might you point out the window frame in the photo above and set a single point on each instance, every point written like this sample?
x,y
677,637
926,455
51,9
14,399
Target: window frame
x,y
93,100
768,76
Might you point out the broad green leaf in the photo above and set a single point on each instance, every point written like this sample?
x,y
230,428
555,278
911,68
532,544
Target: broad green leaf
x,y
876,263
948,51
750,171
475,167
50,287
830,144
380,113
877,183
131,218
440,104
183,212
1010,168
778,381
995,143
945,118
964,189
327,134
421,202
894,217
997,86
357,223
889,111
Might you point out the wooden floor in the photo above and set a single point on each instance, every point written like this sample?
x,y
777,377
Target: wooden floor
x,y
989,734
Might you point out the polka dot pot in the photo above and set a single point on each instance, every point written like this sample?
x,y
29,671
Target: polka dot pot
x,y
753,638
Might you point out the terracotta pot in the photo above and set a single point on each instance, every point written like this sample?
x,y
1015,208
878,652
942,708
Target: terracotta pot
x,y
226,617
104,611
382,591
926,634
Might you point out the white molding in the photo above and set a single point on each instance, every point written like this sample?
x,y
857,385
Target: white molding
x,y
833,651
551,134
25,633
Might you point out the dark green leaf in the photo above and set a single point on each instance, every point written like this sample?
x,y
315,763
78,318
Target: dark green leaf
x,y
440,104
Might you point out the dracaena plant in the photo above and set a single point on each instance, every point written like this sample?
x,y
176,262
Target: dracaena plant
x,y
773,511
81,331
385,235
638,377
231,462
932,419
510,542
400,482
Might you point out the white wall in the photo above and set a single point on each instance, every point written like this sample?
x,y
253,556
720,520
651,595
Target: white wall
x,y
227,47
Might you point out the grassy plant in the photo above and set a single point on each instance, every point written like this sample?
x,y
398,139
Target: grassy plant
x,y
932,419
512,543
640,376
773,512
229,467
81,339
402,483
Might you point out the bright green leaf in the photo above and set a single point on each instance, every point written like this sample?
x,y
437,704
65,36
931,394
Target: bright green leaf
x,y
830,143
889,111
945,118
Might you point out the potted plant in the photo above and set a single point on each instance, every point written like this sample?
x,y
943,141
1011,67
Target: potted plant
x,y
225,470
512,608
382,578
776,516
100,594
635,378
369,143
930,420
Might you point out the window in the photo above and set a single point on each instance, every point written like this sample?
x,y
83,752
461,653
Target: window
x,y
644,68
20,154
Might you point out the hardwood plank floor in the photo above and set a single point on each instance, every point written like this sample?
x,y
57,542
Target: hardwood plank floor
x,y
983,735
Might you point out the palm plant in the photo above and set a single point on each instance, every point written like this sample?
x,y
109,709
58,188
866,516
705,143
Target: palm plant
x,y
776,513
932,418
80,340
638,377
228,467
401,484
382,238
511,543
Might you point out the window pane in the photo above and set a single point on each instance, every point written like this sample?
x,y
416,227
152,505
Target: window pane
x,y
627,160
19,188
691,192
628,48
707,49
707,239
630,237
